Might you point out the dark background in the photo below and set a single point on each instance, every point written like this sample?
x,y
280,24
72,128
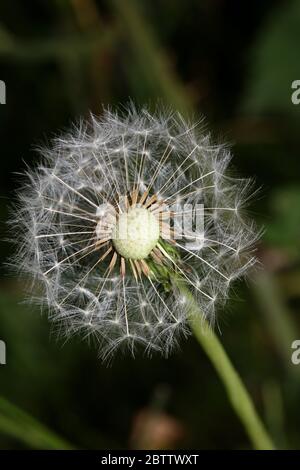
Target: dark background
x,y
232,61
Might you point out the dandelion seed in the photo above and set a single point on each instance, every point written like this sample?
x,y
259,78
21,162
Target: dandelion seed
x,y
107,222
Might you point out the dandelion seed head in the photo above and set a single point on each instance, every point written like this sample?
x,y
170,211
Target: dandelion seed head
x,y
115,212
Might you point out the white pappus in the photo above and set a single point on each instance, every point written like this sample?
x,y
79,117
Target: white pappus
x,y
118,215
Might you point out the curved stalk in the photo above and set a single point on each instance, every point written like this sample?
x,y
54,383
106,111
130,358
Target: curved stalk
x,y
236,391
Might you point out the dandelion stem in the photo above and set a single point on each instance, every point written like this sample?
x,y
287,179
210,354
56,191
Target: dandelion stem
x,y
236,391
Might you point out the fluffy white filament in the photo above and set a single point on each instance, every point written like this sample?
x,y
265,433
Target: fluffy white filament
x,y
67,237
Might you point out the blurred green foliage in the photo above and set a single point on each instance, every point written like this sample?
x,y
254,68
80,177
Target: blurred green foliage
x,y
276,57
63,58
284,229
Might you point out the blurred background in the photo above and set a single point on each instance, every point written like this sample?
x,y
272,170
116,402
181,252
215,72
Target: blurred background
x,y
234,63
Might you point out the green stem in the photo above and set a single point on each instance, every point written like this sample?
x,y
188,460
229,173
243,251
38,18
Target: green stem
x,y
236,391
20,425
